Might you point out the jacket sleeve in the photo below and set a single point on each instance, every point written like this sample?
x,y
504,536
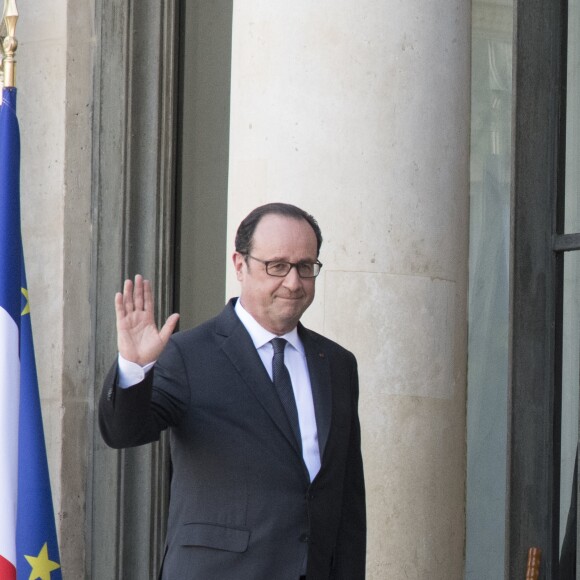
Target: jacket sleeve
x,y
137,415
350,551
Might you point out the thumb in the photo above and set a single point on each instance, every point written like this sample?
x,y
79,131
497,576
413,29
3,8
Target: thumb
x,y
168,328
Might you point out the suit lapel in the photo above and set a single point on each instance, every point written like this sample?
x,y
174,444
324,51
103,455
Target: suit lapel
x,y
319,369
240,350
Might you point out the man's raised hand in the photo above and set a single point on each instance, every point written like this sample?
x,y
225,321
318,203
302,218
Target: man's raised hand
x,y
138,338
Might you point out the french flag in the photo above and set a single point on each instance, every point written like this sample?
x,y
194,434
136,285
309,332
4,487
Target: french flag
x,y
28,542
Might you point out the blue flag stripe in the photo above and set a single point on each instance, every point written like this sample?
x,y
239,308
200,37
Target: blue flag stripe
x,y
35,521
9,205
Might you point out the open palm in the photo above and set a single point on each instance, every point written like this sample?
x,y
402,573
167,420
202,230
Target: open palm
x,y
138,338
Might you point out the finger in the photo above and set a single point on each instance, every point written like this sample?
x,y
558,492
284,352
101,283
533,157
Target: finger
x,y
119,308
128,296
147,296
138,292
168,328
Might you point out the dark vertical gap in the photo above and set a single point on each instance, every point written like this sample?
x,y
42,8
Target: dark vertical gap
x,y
178,163
204,32
560,201
533,505
202,159
558,337
161,472
558,281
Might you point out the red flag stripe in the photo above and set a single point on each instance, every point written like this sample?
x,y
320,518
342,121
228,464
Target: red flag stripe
x,y
7,570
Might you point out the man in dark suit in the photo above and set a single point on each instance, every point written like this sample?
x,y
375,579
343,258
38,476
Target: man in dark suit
x,y
264,431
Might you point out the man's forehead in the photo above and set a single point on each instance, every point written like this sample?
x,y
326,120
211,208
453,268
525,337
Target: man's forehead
x,y
286,231
284,238
273,222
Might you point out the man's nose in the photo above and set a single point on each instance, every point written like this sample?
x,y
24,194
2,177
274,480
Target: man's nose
x,y
292,280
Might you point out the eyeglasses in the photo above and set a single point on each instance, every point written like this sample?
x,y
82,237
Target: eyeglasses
x,y
281,269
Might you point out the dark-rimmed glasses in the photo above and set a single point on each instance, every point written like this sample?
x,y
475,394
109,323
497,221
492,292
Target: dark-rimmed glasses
x,y
280,269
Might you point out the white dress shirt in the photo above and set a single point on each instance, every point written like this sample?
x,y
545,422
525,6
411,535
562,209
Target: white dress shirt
x,y
295,360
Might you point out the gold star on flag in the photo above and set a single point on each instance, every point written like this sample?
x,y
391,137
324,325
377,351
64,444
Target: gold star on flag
x,y
42,566
27,306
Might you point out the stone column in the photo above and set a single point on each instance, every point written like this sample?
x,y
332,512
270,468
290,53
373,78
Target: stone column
x,y
358,111
54,77
41,83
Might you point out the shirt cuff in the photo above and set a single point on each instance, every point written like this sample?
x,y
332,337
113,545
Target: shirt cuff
x,y
130,373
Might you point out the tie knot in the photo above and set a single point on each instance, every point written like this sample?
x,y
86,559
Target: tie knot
x,y
279,345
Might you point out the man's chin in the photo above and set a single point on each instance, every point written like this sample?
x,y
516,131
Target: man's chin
x,y
293,315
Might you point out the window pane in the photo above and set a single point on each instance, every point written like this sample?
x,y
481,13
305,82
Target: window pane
x,y
570,385
572,202
488,289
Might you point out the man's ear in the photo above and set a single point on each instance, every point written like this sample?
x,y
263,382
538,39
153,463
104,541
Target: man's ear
x,y
239,261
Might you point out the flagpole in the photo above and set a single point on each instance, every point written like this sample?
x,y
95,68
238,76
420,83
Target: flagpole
x,y
9,43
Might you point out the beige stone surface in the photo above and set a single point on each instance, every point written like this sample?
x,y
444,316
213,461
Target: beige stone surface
x,y
414,454
400,327
41,82
402,330
54,78
358,111
352,110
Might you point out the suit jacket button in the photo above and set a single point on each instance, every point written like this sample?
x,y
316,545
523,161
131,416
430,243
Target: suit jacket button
x,y
110,394
305,538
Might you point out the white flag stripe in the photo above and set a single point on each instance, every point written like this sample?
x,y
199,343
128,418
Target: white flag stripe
x,y
9,407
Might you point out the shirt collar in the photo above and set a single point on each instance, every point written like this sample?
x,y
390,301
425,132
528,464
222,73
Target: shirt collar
x,y
259,335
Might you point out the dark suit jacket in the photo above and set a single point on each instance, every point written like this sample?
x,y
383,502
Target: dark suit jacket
x,y
241,505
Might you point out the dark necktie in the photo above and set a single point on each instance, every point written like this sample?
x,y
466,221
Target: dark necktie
x,y
283,384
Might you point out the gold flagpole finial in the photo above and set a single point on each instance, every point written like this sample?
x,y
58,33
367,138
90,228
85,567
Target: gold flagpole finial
x,y
9,42
2,36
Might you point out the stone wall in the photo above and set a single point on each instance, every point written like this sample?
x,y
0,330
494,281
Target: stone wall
x,y
356,110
